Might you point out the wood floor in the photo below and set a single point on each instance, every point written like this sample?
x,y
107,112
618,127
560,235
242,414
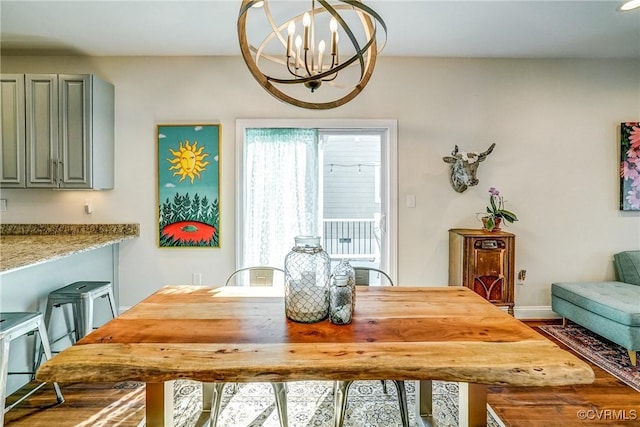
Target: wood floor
x,y
606,402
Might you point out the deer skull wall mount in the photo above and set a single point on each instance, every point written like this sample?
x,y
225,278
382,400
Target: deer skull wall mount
x,y
463,167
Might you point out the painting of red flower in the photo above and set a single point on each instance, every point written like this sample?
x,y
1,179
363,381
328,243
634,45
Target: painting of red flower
x,y
189,233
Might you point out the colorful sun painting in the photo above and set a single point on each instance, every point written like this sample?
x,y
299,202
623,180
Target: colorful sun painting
x,y
188,185
630,166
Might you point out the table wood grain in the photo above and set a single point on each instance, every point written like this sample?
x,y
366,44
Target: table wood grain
x,y
240,334
234,334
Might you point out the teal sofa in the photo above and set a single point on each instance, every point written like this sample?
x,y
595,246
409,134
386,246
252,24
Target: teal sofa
x,y
610,309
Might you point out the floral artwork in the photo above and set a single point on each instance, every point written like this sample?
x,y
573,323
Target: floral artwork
x,y
188,186
630,166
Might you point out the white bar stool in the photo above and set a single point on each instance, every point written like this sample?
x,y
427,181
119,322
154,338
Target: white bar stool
x,y
14,325
81,295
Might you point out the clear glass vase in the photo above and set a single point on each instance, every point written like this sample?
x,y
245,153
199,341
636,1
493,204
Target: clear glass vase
x,y
340,301
307,271
344,268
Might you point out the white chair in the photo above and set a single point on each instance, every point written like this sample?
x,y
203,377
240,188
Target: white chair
x,y
251,276
364,276
341,388
257,276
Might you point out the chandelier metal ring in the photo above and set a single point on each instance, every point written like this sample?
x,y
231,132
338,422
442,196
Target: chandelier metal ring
x,y
304,70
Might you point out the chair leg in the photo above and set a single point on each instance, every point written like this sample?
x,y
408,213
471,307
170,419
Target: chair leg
x,y
402,400
215,404
85,318
39,347
632,357
340,392
384,386
112,304
280,393
4,371
44,344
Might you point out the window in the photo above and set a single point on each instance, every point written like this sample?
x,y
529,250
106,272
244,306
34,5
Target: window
x,y
332,178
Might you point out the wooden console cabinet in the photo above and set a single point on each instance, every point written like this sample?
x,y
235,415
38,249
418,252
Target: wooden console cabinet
x,y
484,262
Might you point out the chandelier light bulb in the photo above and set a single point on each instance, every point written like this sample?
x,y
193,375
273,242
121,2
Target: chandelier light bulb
x,y
290,31
306,23
333,25
298,45
321,48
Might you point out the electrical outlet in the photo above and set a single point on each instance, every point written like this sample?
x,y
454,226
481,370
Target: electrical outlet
x,y
196,279
3,205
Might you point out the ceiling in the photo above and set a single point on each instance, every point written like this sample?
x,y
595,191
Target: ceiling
x,y
453,28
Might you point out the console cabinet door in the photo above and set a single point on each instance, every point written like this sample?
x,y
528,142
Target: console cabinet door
x,y
43,168
12,173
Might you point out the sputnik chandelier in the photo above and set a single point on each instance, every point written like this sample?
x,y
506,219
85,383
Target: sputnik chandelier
x,y
317,58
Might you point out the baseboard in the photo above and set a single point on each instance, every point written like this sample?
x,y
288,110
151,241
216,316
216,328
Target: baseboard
x,y
535,312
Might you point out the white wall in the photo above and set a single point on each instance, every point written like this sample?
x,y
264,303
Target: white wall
x,y
555,124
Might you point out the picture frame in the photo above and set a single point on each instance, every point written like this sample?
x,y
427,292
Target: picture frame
x,y
630,166
188,185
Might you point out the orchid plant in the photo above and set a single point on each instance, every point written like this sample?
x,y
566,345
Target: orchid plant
x,y
496,210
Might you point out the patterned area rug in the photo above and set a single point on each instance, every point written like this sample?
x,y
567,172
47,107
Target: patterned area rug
x,y
607,355
310,403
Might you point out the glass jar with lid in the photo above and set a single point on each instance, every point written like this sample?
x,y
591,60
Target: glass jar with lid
x,y
307,271
340,301
344,268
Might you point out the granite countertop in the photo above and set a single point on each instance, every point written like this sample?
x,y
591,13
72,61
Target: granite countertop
x,y
25,245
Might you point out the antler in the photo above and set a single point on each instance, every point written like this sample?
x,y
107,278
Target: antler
x,y
484,154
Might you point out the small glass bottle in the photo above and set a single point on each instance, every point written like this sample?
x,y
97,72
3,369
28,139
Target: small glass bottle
x,y
307,271
344,268
340,301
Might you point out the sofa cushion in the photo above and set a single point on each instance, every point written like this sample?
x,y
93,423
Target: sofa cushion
x,y
628,266
617,301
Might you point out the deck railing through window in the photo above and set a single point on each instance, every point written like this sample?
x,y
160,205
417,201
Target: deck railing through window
x,y
350,238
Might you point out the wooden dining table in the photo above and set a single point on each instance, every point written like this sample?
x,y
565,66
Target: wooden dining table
x,y
241,334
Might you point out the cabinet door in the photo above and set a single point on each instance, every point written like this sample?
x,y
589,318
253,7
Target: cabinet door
x,y
12,131
488,265
42,130
75,132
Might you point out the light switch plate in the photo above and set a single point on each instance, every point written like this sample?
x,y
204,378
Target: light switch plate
x,y
411,201
3,205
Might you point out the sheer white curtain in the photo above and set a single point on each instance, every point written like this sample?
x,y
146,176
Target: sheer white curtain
x,y
282,186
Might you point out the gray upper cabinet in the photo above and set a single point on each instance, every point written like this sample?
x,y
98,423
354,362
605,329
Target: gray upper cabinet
x,y
68,136
12,128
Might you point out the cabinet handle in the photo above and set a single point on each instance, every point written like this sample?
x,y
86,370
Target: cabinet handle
x,y
60,172
54,171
